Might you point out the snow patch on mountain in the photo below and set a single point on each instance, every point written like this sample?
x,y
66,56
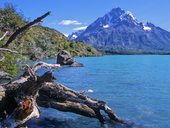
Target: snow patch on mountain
x,y
74,36
130,14
106,26
146,28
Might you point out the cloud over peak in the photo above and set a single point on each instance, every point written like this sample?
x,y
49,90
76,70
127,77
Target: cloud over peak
x,y
69,22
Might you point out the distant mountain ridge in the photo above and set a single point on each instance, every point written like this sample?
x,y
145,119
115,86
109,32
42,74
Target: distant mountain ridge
x,y
120,32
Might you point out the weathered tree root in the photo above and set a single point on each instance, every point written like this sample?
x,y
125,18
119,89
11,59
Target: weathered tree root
x,y
19,99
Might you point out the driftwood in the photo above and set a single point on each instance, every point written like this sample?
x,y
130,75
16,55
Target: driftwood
x,y
57,96
19,100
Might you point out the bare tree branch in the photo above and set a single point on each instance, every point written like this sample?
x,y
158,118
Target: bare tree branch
x,y
17,32
5,34
20,30
39,65
7,50
2,58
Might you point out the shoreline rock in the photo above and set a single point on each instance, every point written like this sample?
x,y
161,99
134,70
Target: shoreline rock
x,y
64,58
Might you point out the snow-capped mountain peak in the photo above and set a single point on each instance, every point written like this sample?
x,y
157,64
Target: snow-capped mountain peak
x,y
120,32
116,12
116,15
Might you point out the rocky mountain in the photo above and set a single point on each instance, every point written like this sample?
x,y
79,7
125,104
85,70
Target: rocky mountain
x,y
119,32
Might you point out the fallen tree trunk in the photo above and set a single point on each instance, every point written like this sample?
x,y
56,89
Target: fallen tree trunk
x,y
19,99
57,96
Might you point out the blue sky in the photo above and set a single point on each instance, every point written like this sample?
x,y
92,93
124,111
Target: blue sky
x,y
70,15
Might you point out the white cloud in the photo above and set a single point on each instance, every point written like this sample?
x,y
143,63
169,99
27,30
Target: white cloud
x,y
80,28
69,22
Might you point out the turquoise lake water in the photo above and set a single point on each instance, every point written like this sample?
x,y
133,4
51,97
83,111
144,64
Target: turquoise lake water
x,y
136,87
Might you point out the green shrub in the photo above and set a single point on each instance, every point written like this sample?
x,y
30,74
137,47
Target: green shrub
x,y
9,64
